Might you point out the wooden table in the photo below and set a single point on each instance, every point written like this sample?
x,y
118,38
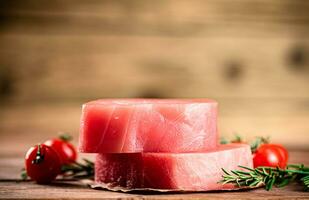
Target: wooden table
x,y
23,126
11,187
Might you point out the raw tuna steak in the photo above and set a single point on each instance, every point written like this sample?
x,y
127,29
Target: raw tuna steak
x,y
170,171
148,125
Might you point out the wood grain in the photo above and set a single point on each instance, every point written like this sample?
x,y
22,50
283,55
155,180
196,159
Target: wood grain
x,y
238,49
250,56
172,18
75,190
49,66
12,188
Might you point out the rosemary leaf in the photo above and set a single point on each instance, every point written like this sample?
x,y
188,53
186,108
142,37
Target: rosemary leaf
x,y
267,176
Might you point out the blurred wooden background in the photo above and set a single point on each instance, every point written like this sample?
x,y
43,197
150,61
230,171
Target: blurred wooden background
x,y
250,55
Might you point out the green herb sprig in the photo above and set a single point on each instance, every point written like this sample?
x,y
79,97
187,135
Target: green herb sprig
x,y
267,176
78,170
254,144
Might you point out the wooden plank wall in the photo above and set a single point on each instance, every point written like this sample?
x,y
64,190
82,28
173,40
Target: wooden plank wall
x,y
252,56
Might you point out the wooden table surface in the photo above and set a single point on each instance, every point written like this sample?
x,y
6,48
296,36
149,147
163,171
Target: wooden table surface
x,y
25,126
11,187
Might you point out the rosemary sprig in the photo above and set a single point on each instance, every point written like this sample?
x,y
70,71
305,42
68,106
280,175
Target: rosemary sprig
x,y
305,181
254,144
78,170
267,176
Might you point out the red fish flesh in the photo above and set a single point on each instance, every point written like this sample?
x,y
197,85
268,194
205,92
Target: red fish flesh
x,y
148,125
171,171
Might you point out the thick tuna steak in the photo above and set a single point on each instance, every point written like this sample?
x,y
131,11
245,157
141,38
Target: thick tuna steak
x,y
148,125
170,171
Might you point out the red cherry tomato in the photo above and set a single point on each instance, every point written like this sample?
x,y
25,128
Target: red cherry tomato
x,y
65,150
283,151
42,164
270,155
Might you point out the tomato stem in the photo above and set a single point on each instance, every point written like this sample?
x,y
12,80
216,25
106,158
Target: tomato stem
x,y
23,174
65,137
258,142
39,156
237,138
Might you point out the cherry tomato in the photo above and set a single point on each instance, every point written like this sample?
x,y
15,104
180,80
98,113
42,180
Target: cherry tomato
x,y
270,155
65,150
42,164
283,151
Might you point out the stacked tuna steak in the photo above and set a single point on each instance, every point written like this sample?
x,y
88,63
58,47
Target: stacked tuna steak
x,y
158,144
